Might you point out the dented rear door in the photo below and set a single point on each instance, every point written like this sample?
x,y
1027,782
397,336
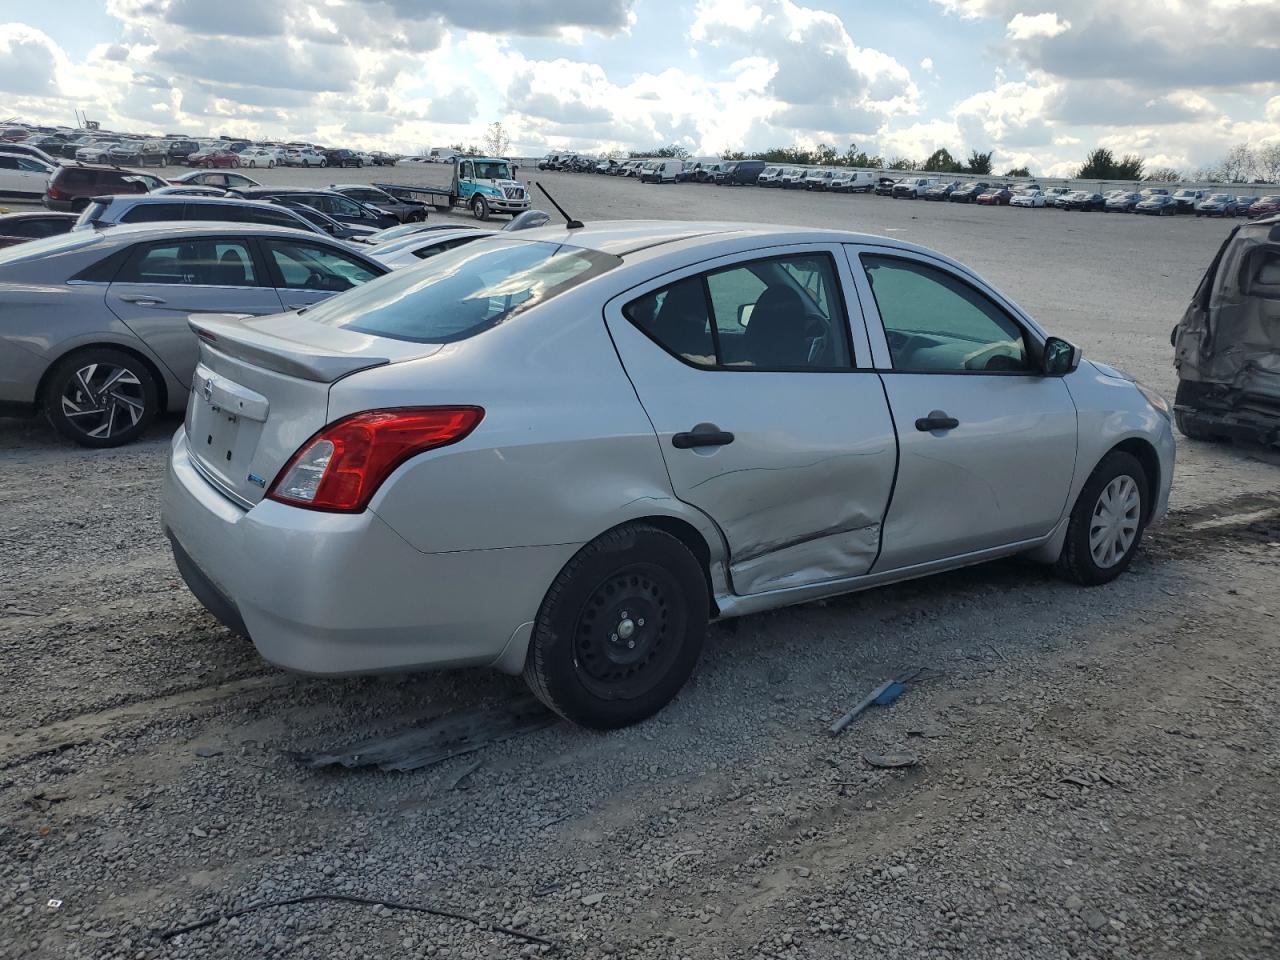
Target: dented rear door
x,y
800,473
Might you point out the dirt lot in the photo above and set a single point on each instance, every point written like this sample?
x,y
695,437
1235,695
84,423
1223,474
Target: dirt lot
x,y
1097,772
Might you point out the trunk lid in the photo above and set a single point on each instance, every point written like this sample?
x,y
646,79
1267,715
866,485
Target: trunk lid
x,y
261,389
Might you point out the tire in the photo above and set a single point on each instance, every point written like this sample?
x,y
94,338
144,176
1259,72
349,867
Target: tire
x,y
324,163
480,207
1117,478
1189,428
253,164
83,381
577,668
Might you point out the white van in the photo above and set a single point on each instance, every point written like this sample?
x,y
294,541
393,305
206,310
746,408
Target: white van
x,y
852,181
661,171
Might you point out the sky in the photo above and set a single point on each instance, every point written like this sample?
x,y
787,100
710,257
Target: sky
x,y
1039,82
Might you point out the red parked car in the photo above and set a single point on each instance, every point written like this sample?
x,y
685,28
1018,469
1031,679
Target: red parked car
x,y
1264,207
214,158
995,197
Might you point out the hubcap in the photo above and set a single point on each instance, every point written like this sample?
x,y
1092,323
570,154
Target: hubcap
x,y
103,400
1114,526
627,633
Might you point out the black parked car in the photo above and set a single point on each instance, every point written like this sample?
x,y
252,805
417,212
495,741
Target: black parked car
x,y
343,158
884,186
969,192
941,191
179,150
335,228
18,228
1122,202
1083,200
405,211
328,202
740,173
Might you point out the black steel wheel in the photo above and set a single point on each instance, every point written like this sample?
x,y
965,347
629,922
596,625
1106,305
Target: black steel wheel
x,y
621,628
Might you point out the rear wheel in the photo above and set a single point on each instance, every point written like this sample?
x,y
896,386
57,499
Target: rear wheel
x,y
620,630
480,208
101,397
1107,521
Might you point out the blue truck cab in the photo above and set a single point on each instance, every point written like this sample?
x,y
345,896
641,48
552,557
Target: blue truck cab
x,y
487,185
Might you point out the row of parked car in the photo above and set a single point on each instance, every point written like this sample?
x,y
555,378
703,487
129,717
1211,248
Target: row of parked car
x,y
1155,201
120,149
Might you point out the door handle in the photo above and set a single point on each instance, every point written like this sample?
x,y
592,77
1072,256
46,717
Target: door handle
x,y
936,420
703,435
140,299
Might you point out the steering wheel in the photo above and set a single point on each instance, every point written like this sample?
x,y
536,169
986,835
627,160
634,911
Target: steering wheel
x,y
317,280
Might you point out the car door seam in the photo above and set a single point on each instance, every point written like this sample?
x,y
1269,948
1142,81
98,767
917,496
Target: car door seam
x,y
893,484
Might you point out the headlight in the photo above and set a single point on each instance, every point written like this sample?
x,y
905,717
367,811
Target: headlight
x,y
1158,402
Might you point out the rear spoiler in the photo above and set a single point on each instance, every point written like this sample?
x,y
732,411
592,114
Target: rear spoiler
x,y
227,334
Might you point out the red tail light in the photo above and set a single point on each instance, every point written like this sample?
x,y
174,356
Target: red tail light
x,y
342,466
54,193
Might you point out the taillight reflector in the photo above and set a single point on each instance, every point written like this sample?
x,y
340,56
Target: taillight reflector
x,y
341,467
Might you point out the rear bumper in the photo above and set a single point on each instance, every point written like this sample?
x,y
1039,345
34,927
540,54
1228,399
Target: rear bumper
x,y
334,594
59,205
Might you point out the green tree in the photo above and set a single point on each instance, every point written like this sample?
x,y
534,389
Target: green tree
x,y
902,163
1101,164
672,151
979,162
1164,175
1018,172
941,161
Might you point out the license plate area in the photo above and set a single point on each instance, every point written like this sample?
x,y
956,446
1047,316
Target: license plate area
x,y
224,440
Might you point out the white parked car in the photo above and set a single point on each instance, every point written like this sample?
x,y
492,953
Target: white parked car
x,y
260,157
410,250
1027,198
560,452
22,177
304,158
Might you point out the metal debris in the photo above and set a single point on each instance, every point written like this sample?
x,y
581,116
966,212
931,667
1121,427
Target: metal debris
x,y
893,760
452,735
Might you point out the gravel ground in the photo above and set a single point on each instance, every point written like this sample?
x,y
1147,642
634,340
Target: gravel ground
x,y
1096,771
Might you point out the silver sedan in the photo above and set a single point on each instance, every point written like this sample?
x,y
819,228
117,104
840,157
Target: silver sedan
x,y
93,324
560,452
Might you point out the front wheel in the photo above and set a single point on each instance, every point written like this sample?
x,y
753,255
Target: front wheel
x,y
480,208
252,164
1107,521
620,630
100,397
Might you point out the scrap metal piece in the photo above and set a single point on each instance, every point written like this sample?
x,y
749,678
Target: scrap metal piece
x,y
891,761
867,701
452,735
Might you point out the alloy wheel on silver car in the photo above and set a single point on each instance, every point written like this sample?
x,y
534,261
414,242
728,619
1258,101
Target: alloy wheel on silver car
x,y
103,400
1116,519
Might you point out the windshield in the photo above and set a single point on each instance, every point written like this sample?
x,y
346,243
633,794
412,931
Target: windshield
x,y
461,292
492,171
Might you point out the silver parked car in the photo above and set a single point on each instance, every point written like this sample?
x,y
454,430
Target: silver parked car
x,y
93,324
559,452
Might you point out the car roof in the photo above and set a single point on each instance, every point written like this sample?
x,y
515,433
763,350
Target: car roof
x,y
265,191
354,186
195,228
623,237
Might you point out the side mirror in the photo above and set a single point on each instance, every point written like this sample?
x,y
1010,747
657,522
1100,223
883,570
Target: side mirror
x,y
1060,358
744,313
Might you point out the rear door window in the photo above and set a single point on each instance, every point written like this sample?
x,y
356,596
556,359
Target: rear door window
x,y
779,313
202,261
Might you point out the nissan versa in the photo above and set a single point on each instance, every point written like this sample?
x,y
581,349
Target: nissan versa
x,y
561,452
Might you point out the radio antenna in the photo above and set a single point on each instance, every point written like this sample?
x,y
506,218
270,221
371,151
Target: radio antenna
x,y
569,222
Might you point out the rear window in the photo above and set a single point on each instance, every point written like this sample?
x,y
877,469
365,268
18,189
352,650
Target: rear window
x,y
152,213
461,292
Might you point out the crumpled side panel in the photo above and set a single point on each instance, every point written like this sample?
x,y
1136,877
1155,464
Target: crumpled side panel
x,y
1234,340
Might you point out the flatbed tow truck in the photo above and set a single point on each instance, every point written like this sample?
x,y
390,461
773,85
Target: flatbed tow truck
x,y
484,185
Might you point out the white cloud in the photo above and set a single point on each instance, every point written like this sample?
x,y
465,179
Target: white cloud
x,y
927,64
1024,27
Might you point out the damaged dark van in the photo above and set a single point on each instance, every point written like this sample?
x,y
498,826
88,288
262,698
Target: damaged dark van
x,y
1227,345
